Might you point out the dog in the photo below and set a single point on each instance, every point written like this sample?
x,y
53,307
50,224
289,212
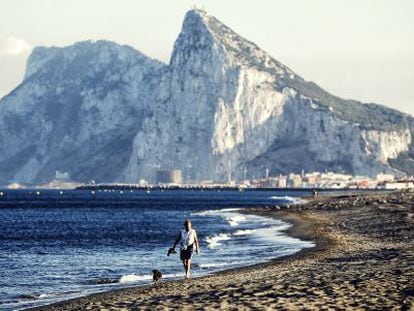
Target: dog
x,y
156,276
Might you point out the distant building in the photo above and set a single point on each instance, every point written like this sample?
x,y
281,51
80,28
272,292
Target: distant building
x,y
245,183
273,182
399,185
206,182
176,176
311,179
231,183
385,178
330,176
282,182
143,183
295,181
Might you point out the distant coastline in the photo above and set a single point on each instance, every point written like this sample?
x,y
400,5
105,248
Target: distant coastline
x,y
224,188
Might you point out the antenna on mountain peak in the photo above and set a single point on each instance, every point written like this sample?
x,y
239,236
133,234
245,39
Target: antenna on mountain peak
x,y
200,6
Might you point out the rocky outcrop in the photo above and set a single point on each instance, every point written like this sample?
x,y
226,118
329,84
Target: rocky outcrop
x,y
221,108
77,111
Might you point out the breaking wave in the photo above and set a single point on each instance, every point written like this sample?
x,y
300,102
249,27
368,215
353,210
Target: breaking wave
x,y
216,212
234,220
244,232
214,241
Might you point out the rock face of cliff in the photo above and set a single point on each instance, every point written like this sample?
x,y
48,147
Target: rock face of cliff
x,y
222,107
77,111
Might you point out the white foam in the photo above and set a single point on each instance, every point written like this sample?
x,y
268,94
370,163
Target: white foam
x,y
281,227
234,219
43,296
286,198
244,232
294,200
130,278
215,240
229,209
229,214
203,213
134,278
216,212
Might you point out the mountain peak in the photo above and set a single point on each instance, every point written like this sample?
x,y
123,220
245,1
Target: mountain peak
x,y
198,12
194,20
88,53
201,29
195,36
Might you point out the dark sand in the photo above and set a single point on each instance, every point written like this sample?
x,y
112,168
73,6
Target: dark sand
x,y
364,259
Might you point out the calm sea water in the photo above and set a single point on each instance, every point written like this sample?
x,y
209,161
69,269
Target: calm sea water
x,y
56,245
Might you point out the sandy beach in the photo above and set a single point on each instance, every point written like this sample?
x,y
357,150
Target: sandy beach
x,y
363,259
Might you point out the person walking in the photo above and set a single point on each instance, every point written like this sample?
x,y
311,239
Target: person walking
x,y
187,238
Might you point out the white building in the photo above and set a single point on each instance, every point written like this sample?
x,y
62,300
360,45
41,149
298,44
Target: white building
x,y
385,178
399,185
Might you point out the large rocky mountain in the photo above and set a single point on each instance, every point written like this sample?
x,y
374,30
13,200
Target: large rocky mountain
x,y
221,107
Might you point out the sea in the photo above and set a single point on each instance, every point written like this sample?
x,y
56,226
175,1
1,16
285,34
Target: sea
x,y
61,244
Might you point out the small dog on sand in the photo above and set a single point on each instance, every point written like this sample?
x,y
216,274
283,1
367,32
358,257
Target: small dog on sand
x,y
156,276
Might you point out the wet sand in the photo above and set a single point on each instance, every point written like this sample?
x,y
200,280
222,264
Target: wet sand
x,y
363,259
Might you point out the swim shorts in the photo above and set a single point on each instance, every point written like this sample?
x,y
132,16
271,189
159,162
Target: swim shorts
x,y
187,253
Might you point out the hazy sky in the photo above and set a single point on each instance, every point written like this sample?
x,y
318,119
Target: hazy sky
x,y
361,49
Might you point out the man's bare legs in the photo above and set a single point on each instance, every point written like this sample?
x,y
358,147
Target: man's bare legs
x,y
187,267
187,272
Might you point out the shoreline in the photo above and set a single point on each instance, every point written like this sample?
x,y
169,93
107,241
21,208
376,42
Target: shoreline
x,y
328,274
299,229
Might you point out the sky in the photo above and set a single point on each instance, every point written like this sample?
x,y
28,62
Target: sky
x,y
359,49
